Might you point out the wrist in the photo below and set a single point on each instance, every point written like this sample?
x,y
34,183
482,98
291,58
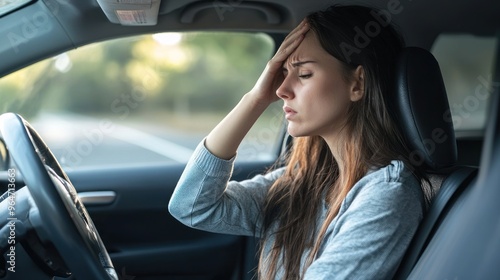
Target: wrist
x,y
256,102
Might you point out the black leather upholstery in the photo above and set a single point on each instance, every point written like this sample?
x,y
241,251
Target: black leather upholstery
x,y
422,109
466,243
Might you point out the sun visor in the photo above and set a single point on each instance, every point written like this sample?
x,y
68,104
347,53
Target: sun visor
x,y
7,6
131,12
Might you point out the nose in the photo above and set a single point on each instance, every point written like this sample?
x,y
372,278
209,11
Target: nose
x,y
285,91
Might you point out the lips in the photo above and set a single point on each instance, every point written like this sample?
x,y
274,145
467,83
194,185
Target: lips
x,y
289,112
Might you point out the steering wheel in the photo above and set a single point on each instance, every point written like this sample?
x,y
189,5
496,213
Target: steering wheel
x,y
61,219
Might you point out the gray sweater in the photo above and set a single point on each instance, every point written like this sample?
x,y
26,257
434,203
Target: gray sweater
x,y
366,240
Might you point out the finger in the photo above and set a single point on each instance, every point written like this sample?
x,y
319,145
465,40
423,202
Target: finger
x,y
291,42
302,28
302,24
297,33
289,46
293,39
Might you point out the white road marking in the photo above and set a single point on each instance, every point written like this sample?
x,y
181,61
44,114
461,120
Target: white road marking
x,y
152,143
126,134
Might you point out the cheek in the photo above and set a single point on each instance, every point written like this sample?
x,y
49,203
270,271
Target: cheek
x,y
334,93
333,100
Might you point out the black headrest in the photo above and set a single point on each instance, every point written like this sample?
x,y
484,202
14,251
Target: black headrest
x,y
422,110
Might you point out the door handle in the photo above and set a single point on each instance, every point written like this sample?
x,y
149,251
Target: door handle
x,y
97,198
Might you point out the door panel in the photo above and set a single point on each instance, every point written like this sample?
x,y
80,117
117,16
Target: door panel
x,y
146,242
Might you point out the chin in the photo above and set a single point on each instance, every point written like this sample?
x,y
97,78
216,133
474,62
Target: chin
x,y
295,132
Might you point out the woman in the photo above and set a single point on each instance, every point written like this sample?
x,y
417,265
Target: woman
x,y
348,200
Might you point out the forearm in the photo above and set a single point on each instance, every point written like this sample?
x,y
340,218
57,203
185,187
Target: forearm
x,y
224,139
205,199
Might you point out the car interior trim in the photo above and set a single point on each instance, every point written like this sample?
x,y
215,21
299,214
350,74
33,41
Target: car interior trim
x,y
97,197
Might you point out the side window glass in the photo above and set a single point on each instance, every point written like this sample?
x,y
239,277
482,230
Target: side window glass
x,y
467,66
143,100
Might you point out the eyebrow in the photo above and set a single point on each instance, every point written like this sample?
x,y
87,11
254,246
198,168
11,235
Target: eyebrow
x,y
299,63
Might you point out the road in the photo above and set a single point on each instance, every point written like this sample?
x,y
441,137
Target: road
x,y
78,141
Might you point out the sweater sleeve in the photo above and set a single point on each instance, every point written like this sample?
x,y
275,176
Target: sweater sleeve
x,y
374,227
205,199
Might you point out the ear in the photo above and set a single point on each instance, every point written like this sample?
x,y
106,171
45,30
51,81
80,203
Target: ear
x,y
358,84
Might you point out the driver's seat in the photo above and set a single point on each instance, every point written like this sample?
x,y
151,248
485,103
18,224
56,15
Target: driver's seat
x,y
421,107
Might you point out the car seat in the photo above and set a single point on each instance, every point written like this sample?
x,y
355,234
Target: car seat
x,y
420,105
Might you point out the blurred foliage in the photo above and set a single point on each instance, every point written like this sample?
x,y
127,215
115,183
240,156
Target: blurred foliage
x,y
183,73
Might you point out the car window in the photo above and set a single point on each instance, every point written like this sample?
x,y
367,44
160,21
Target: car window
x,y
144,99
467,63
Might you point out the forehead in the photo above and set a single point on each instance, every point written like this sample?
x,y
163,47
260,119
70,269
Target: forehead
x,y
309,49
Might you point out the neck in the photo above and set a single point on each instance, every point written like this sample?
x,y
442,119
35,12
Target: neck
x,y
335,141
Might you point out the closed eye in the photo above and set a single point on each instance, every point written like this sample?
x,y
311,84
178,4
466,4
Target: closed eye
x,y
305,76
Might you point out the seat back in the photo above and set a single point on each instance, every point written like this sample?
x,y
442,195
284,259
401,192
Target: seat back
x,y
449,191
466,242
420,105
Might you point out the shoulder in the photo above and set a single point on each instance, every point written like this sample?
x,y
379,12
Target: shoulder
x,y
395,171
392,185
374,226
394,174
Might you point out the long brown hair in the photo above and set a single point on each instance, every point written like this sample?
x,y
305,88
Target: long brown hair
x,y
370,139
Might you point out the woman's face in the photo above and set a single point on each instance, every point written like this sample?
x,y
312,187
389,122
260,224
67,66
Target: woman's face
x,y
315,93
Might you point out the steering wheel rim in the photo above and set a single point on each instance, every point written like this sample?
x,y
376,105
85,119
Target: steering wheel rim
x,y
62,219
